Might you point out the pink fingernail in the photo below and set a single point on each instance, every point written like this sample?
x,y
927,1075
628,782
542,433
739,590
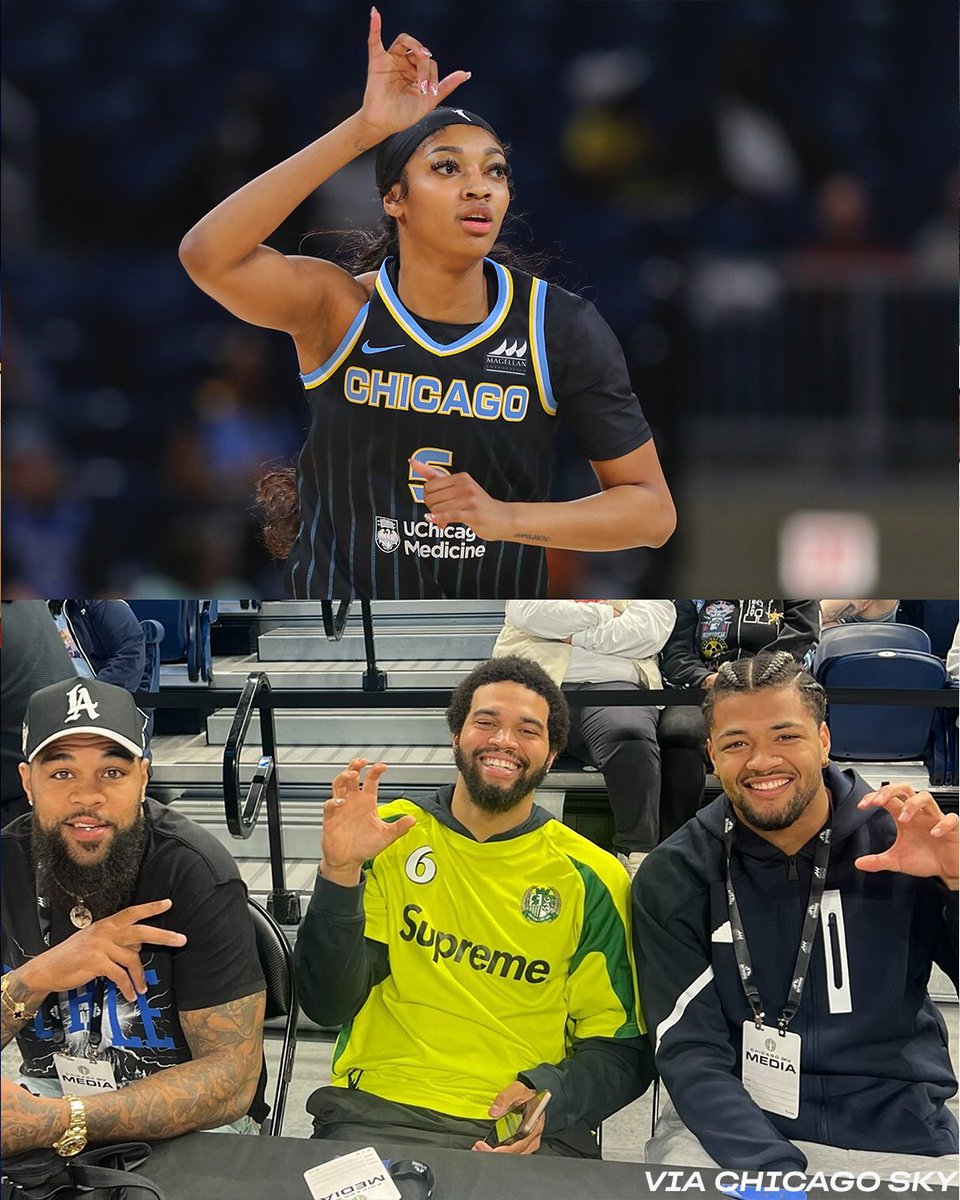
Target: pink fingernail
x,y
435,89
423,86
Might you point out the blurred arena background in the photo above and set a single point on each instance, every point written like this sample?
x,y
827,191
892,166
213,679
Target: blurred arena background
x,y
761,197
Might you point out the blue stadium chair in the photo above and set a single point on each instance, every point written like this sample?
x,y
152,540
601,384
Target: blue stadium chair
x,y
938,617
886,732
172,616
150,679
866,637
186,625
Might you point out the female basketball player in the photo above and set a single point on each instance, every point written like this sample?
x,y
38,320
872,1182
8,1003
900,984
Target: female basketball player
x,y
434,381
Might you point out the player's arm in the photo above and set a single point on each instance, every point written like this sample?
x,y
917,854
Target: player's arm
x,y
224,252
633,508
217,1086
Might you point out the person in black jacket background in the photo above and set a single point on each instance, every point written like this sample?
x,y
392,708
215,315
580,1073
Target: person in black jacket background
x,y
706,634
804,903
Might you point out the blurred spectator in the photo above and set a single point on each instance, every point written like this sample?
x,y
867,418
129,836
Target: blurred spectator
x,y
45,518
33,656
608,645
219,451
936,242
852,612
706,634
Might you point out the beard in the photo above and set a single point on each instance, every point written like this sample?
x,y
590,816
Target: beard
x,y
105,886
488,796
769,819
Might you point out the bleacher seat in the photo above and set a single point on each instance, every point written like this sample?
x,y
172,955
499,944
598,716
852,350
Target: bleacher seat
x,y
186,625
880,733
939,618
869,636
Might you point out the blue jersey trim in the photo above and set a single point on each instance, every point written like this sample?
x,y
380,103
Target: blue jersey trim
x,y
325,370
422,338
541,368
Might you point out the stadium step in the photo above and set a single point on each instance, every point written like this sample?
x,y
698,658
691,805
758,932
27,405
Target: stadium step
x,y
289,643
231,671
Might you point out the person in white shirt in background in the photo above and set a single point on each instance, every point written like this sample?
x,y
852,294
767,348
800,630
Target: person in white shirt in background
x,y
611,645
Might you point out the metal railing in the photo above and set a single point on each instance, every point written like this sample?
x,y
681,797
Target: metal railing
x,y
282,903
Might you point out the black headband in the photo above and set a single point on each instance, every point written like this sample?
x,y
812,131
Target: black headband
x,y
394,152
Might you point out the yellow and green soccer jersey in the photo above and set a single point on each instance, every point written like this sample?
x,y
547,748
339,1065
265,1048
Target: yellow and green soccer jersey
x,y
501,954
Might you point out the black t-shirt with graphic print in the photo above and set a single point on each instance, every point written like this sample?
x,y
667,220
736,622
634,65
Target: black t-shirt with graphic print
x,y
218,964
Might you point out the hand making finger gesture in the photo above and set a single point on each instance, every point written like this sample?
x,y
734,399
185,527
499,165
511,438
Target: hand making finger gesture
x,y
927,839
352,829
109,947
403,83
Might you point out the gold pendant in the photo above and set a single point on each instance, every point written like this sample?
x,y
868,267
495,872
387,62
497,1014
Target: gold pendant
x,y
80,915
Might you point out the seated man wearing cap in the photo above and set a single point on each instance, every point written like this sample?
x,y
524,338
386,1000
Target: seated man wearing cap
x,y
131,977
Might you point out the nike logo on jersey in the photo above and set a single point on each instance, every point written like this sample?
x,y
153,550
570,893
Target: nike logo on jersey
x,y
368,349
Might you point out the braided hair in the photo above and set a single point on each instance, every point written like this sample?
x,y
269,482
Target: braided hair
x,y
777,669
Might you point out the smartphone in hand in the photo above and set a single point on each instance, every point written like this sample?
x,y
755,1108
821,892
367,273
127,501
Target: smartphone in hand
x,y
514,1125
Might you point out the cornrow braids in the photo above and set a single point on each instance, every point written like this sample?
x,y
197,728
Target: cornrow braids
x,y
778,669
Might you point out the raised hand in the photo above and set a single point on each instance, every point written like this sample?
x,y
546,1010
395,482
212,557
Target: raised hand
x,y
927,839
109,947
459,498
352,829
403,82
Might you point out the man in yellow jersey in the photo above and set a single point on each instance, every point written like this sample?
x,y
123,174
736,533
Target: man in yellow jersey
x,y
475,950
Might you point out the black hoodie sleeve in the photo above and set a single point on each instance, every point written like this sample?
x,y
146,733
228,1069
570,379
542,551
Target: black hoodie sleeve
x,y
800,629
680,660
336,966
694,1053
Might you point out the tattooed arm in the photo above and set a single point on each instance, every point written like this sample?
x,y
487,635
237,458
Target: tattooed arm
x,y
216,1087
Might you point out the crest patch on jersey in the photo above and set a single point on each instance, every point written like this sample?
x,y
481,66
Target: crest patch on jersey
x,y
388,534
540,904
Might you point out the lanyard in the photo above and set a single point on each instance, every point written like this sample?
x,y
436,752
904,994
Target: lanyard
x,y
810,922
95,1002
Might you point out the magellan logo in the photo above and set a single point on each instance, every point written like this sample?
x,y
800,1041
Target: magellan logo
x,y
388,534
509,356
475,955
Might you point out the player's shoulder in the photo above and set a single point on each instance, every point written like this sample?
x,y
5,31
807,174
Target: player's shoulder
x,y
584,853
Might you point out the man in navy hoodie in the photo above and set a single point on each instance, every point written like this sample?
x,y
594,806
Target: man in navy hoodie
x,y
784,939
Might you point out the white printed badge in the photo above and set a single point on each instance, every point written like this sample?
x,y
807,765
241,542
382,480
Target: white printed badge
x,y
361,1174
84,1074
770,1069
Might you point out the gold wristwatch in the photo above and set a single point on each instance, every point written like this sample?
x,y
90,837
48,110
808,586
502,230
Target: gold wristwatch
x,y
74,1137
18,1010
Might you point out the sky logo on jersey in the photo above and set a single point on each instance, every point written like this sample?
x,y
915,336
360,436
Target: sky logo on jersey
x,y
387,534
368,349
509,356
474,955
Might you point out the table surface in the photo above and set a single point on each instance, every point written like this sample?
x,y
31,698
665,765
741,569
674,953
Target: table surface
x,y
219,1166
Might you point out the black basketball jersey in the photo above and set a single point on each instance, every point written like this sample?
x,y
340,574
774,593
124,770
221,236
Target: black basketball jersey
x,y
392,393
